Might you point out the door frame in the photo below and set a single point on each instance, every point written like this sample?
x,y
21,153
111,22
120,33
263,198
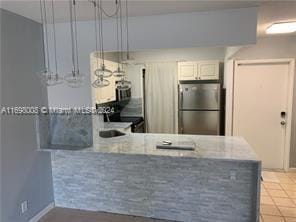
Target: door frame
x,y
230,98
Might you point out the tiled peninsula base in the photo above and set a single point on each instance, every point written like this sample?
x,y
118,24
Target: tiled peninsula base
x,y
173,188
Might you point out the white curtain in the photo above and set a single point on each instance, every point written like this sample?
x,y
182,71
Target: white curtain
x,y
160,97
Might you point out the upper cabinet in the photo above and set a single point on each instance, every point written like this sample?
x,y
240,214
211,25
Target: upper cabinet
x,y
107,93
198,70
187,70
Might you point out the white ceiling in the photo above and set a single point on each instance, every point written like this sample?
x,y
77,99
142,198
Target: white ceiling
x,y
269,11
31,9
275,11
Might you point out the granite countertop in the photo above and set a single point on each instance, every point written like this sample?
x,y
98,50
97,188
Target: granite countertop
x,y
116,125
207,147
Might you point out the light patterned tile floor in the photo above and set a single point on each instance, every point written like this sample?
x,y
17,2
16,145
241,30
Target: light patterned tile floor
x,y
278,197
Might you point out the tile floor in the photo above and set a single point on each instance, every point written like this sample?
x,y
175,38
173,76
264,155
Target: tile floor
x,y
278,204
278,197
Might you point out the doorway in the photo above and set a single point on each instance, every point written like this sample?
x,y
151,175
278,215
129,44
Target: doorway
x,y
262,108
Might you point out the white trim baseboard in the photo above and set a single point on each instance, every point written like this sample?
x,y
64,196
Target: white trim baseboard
x,y
38,216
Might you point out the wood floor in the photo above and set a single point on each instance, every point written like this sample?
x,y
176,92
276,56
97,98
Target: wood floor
x,y
71,215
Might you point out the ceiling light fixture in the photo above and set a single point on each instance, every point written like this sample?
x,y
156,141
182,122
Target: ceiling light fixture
x,y
47,76
74,79
281,28
101,72
119,72
122,83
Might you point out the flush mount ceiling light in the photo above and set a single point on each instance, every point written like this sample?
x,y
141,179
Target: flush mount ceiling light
x,y
281,28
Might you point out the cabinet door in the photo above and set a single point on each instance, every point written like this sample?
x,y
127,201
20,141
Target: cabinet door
x,y
208,70
107,93
187,70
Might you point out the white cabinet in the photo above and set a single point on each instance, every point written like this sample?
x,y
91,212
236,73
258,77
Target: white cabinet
x,y
187,70
208,70
198,70
107,93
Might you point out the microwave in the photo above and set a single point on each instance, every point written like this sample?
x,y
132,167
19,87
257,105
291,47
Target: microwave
x,y
123,94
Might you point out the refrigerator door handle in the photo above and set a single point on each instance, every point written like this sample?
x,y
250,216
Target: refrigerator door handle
x,y
181,130
181,98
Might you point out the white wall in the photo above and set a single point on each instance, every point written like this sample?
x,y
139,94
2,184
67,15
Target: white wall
x,y
200,29
139,58
269,47
181,54
274,47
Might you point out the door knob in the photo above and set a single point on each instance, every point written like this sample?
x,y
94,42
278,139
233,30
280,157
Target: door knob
x,y
283,123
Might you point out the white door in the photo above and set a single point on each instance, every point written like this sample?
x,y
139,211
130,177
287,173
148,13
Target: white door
x,y
260,109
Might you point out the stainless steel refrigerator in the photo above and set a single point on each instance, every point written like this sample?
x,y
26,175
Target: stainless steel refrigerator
x,y
200,108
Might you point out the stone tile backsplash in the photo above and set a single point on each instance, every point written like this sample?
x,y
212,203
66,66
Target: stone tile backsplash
x,y
182,189
70,130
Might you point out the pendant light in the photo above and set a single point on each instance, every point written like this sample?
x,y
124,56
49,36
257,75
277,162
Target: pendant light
x,y
102,71
74,79
47,76
129,60
119,71
100,81
123,84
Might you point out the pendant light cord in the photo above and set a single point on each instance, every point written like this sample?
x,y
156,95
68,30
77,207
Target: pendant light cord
x,y
75,33
117,35
43,34
101,33
46,36
96,31
99,24
127,30
54,38
72,38
110,15
121,40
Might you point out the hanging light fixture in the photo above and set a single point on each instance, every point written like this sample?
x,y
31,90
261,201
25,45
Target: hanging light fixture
x,y
74,79
101,72
100,81
129,59
47,76
119,71
123,84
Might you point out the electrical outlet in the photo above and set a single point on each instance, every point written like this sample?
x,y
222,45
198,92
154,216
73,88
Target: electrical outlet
x,y
232,174
24,206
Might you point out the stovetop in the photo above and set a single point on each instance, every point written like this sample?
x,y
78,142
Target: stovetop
x,y
117,118
134,120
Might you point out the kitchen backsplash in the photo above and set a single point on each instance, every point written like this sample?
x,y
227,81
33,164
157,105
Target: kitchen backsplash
x,y
133,108
70,130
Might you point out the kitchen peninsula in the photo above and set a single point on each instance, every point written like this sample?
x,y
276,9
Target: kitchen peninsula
x,y
218,181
